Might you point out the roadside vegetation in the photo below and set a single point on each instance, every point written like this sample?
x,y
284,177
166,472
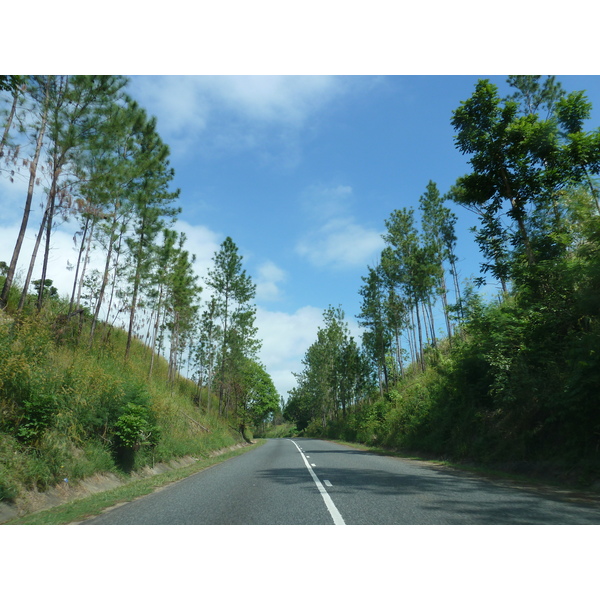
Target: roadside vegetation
x,y
448,369
70,411
141,362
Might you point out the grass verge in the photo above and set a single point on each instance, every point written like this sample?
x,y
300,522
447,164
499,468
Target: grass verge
x,y
90,506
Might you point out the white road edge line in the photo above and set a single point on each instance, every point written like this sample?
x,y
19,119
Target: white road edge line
x,y
333,511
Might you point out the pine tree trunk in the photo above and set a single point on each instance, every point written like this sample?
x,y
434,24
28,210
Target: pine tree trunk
x,y
9,122
432,324
114,279
155,334
49,220
86,261
104,283
444,297
136,286
75,278
399,352
32,176
420,355
36,247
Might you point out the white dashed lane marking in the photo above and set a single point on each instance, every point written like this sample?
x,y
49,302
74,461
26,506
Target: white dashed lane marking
x,y
331,507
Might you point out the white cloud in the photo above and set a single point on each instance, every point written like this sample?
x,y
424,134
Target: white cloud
x,y
286,337
62,253
276,99
335,238
176,102
341,243
323,202
269,276
225,113
202,242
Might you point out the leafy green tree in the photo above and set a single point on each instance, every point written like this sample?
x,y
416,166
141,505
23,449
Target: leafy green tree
x,y
108,170
335,375
260,399
206,350
407,268
157,296
521,161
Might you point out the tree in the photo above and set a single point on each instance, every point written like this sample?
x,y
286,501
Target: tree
x,y
151,206
521,161
437,222
407,270
233,292
334,377
376,337
259,397
39,90
78,105
206,350
182,293
10,83
112,168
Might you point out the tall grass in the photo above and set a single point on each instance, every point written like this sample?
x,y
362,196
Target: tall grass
x,y
69,409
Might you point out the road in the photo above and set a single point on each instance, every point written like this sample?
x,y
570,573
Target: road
x,y
313,482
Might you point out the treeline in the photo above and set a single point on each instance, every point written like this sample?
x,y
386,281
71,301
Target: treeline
x,y
94,156
509,378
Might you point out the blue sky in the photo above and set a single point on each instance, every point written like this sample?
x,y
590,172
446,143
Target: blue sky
x,y
301,172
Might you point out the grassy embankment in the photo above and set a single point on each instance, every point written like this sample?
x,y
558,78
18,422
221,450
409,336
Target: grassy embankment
x,y
70,409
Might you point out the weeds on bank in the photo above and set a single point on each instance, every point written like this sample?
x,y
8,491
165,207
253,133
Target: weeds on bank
x,y
84,508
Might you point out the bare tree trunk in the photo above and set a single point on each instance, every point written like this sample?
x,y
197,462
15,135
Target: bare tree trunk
x,y
38,239
49,219
444,296
136,287
103,285
155,336
86,260
32,176
115,273
9,121
75,278
432,324
412,340
399,351
421,362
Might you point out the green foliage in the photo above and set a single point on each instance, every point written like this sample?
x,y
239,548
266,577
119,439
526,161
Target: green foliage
x,y
336,376
67,412
37,415
66,400
519,379
10,83
136,427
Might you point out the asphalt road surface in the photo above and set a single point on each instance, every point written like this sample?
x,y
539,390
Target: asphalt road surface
x,y
312,482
